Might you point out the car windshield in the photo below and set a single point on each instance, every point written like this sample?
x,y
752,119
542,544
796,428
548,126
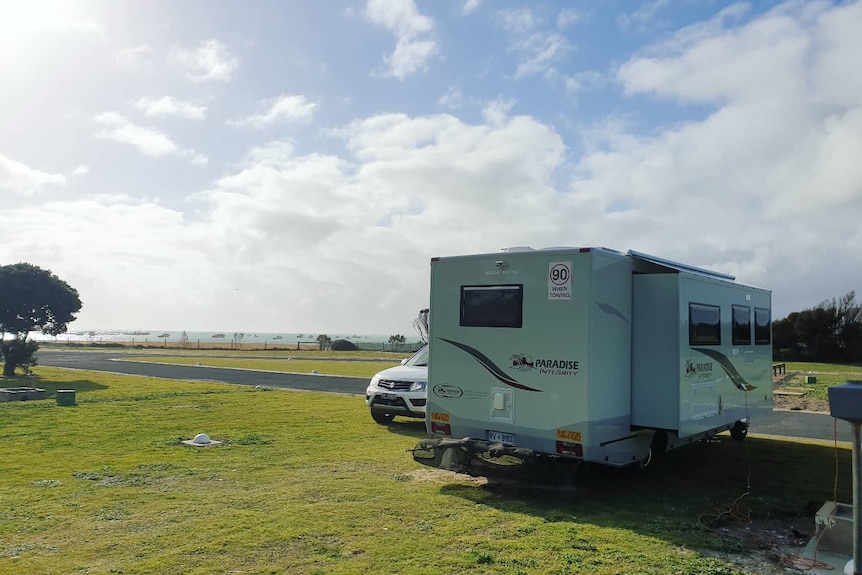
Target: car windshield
x,y
419,359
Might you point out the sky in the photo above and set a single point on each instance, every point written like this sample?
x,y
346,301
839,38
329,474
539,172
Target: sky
x,y
292,166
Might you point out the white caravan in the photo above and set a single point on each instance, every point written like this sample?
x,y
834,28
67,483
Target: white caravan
x,y
588,354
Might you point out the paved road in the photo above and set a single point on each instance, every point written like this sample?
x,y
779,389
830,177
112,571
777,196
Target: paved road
x,y
794,424
113,362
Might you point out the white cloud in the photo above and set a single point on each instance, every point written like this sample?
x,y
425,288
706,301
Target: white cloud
x,y
167,106
519,20
753,185
538,51
19,178
567,17
414,48
208,61
148,141
81,170
470,6
586,80
644,17
282,110
497,112
452,99
133,56
539,54
760,179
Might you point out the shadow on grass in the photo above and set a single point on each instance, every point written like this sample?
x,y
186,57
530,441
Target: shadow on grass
x,y
80,386
688,497
408,427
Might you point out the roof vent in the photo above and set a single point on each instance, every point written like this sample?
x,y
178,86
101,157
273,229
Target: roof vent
x,y
517,249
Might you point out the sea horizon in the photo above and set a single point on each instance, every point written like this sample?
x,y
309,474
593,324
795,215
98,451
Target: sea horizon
x,y
146,336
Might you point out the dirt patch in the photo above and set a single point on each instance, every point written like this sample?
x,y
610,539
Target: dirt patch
x,y
773,546
800,403
796,402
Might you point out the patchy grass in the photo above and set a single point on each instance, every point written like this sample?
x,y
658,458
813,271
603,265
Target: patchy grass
x,y
306,483
325,367
826,375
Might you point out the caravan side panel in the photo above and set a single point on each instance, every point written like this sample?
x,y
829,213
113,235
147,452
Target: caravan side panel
x,y
655,351
725,375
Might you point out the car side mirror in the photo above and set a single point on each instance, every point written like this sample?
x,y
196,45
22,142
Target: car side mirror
x,y
404,361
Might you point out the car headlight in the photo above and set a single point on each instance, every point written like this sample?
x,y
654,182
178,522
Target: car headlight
x,y
374,381
418,386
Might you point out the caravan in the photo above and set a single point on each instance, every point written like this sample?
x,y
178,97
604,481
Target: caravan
x,y
588,354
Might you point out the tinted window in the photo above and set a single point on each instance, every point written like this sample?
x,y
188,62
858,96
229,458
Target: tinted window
x,y
762,326
492,306
741,325
704,324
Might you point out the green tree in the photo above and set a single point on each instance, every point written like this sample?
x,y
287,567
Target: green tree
x,y
397,339
31,299
830,331
324,341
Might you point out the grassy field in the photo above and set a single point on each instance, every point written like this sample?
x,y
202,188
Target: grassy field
x,y
324,366
307,483
825,374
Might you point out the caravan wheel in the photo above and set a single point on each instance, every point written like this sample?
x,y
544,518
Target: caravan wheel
x,y
739,431
658,446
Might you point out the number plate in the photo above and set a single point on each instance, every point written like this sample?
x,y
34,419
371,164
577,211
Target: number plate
x,y
500,437
388,396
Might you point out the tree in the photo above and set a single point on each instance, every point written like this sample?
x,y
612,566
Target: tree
x,y
830,331
422,324
397,339
324,341
31,299
237,339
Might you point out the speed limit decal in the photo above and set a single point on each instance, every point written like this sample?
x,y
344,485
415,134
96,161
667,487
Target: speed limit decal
x,y
559,280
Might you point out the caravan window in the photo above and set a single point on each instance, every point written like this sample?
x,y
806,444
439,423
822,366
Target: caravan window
x,y
762,327
741,325
704,324
492,306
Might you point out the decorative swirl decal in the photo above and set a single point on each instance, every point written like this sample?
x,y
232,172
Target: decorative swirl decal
x,y
728,368
489,365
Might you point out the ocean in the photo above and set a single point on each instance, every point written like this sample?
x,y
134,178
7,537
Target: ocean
x,y
157,336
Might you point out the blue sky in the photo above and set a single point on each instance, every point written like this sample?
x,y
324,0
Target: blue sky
x,y
292,166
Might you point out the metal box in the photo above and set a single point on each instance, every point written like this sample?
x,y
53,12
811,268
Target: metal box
x,y
845,401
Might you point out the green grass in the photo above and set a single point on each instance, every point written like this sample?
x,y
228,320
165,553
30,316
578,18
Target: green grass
x,y
306,483
325,366
826,374
842,368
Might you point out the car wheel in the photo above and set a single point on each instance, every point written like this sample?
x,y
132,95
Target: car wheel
x,y
382,418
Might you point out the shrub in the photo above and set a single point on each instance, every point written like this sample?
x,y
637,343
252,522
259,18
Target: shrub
x,y
343,345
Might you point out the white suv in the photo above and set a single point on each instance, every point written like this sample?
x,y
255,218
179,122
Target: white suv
x,y
400,390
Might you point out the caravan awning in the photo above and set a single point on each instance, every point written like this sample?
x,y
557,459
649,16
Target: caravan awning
x,y
645,263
